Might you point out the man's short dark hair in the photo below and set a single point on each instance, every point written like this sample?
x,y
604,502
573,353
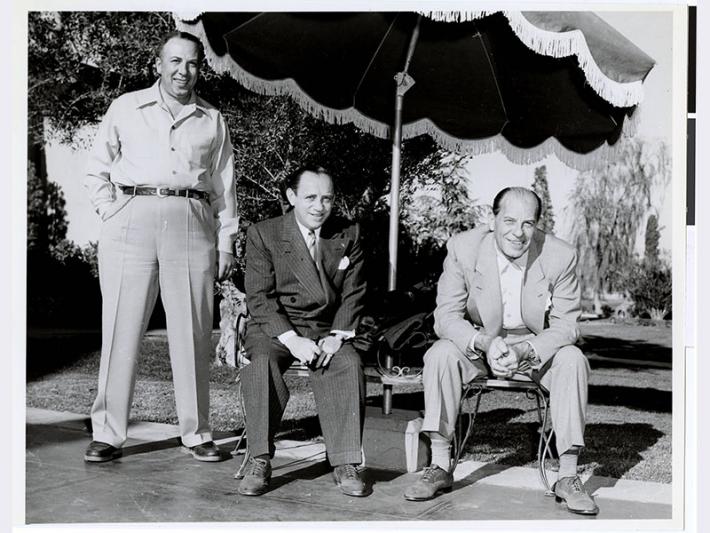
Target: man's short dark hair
x,y
293,179
181,35
518,191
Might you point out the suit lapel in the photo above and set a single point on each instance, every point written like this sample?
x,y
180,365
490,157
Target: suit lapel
x,y
297,257
332,250
535,290
486,286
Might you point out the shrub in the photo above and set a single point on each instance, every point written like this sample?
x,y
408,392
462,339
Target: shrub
x,y
650,285
62,287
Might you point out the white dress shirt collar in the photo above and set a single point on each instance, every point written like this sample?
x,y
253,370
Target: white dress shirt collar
x,y
305,231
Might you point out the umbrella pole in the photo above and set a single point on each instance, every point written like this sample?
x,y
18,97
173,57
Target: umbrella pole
x,y
394,193
404,83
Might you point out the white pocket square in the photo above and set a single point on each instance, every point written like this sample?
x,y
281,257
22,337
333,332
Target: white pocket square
x,y
344,263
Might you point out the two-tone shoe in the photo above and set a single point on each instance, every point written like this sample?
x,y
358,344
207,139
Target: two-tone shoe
x,y
256,477
571,491
433,480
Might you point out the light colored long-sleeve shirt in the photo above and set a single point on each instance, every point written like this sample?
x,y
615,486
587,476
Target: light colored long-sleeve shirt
x,y
139,143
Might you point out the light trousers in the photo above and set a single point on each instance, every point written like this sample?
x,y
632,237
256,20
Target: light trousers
x,y
447,370
156,243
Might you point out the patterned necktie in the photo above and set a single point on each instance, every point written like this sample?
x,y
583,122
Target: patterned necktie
x,y
311,244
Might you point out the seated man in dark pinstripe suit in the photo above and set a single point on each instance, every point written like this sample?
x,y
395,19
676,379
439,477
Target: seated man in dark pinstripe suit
x,y
305,288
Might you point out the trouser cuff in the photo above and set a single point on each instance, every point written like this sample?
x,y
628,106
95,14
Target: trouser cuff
x,y
194,440
345,458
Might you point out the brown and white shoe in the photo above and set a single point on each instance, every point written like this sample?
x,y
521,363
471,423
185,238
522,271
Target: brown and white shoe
x,y
257,477
433,480
348,480
571,491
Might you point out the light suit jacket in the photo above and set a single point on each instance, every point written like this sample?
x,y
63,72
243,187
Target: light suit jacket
x,y
469,293
284,289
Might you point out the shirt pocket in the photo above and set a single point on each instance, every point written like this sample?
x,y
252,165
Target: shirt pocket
x,y
197,148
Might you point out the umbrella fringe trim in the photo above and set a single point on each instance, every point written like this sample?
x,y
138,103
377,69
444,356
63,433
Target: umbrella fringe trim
x,y
598,157
558,44
288,87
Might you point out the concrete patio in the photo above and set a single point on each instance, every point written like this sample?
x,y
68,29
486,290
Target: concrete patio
x,y
155,482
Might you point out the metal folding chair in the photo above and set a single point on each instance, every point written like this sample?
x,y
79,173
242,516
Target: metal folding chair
x,y
472,393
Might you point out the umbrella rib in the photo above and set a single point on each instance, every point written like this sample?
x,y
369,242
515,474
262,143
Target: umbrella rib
x,y
495,78
372,59
245,23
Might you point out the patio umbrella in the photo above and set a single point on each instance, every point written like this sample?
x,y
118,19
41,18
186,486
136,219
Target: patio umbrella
x,y
526,84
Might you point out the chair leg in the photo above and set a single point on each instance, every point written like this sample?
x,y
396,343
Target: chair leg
x,y
543,449
460,436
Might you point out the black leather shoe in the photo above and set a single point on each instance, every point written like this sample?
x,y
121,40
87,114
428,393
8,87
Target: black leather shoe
x,y
207,451
257,477
348,480
100,452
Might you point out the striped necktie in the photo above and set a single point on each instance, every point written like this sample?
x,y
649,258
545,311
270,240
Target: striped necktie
x,y
311,244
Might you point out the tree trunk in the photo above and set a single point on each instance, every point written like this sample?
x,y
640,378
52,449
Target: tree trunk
x,y
598,302
39,238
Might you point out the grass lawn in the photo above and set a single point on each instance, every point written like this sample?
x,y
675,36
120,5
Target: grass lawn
x,y
628,420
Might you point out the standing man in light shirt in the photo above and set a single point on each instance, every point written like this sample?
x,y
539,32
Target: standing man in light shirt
x,y
305,287
160,175
508,300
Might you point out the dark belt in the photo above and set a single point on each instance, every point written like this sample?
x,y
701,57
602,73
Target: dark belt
x,y
517,331
163,191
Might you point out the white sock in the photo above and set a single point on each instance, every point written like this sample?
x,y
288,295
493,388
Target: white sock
x,y
440,451
568,463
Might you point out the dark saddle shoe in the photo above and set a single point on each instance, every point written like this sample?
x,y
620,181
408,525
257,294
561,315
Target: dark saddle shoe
x,y
570,490
348,480
100,452
256,478
207,451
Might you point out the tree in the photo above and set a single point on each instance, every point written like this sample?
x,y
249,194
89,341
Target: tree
x,y
436,203
609,204
650,285
547,218
46,213
79,61
652,238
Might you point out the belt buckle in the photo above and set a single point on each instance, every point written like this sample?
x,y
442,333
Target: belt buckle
x,y
159,194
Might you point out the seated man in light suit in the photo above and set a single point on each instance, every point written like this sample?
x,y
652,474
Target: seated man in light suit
x,y
304,287
491,313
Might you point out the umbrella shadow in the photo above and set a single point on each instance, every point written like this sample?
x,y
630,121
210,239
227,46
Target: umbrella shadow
x,y
617,448
410,401
643,399
622,349
47,354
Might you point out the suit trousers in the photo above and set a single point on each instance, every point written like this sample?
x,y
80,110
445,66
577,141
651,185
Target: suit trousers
x,y
153,243
447,369
338,389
